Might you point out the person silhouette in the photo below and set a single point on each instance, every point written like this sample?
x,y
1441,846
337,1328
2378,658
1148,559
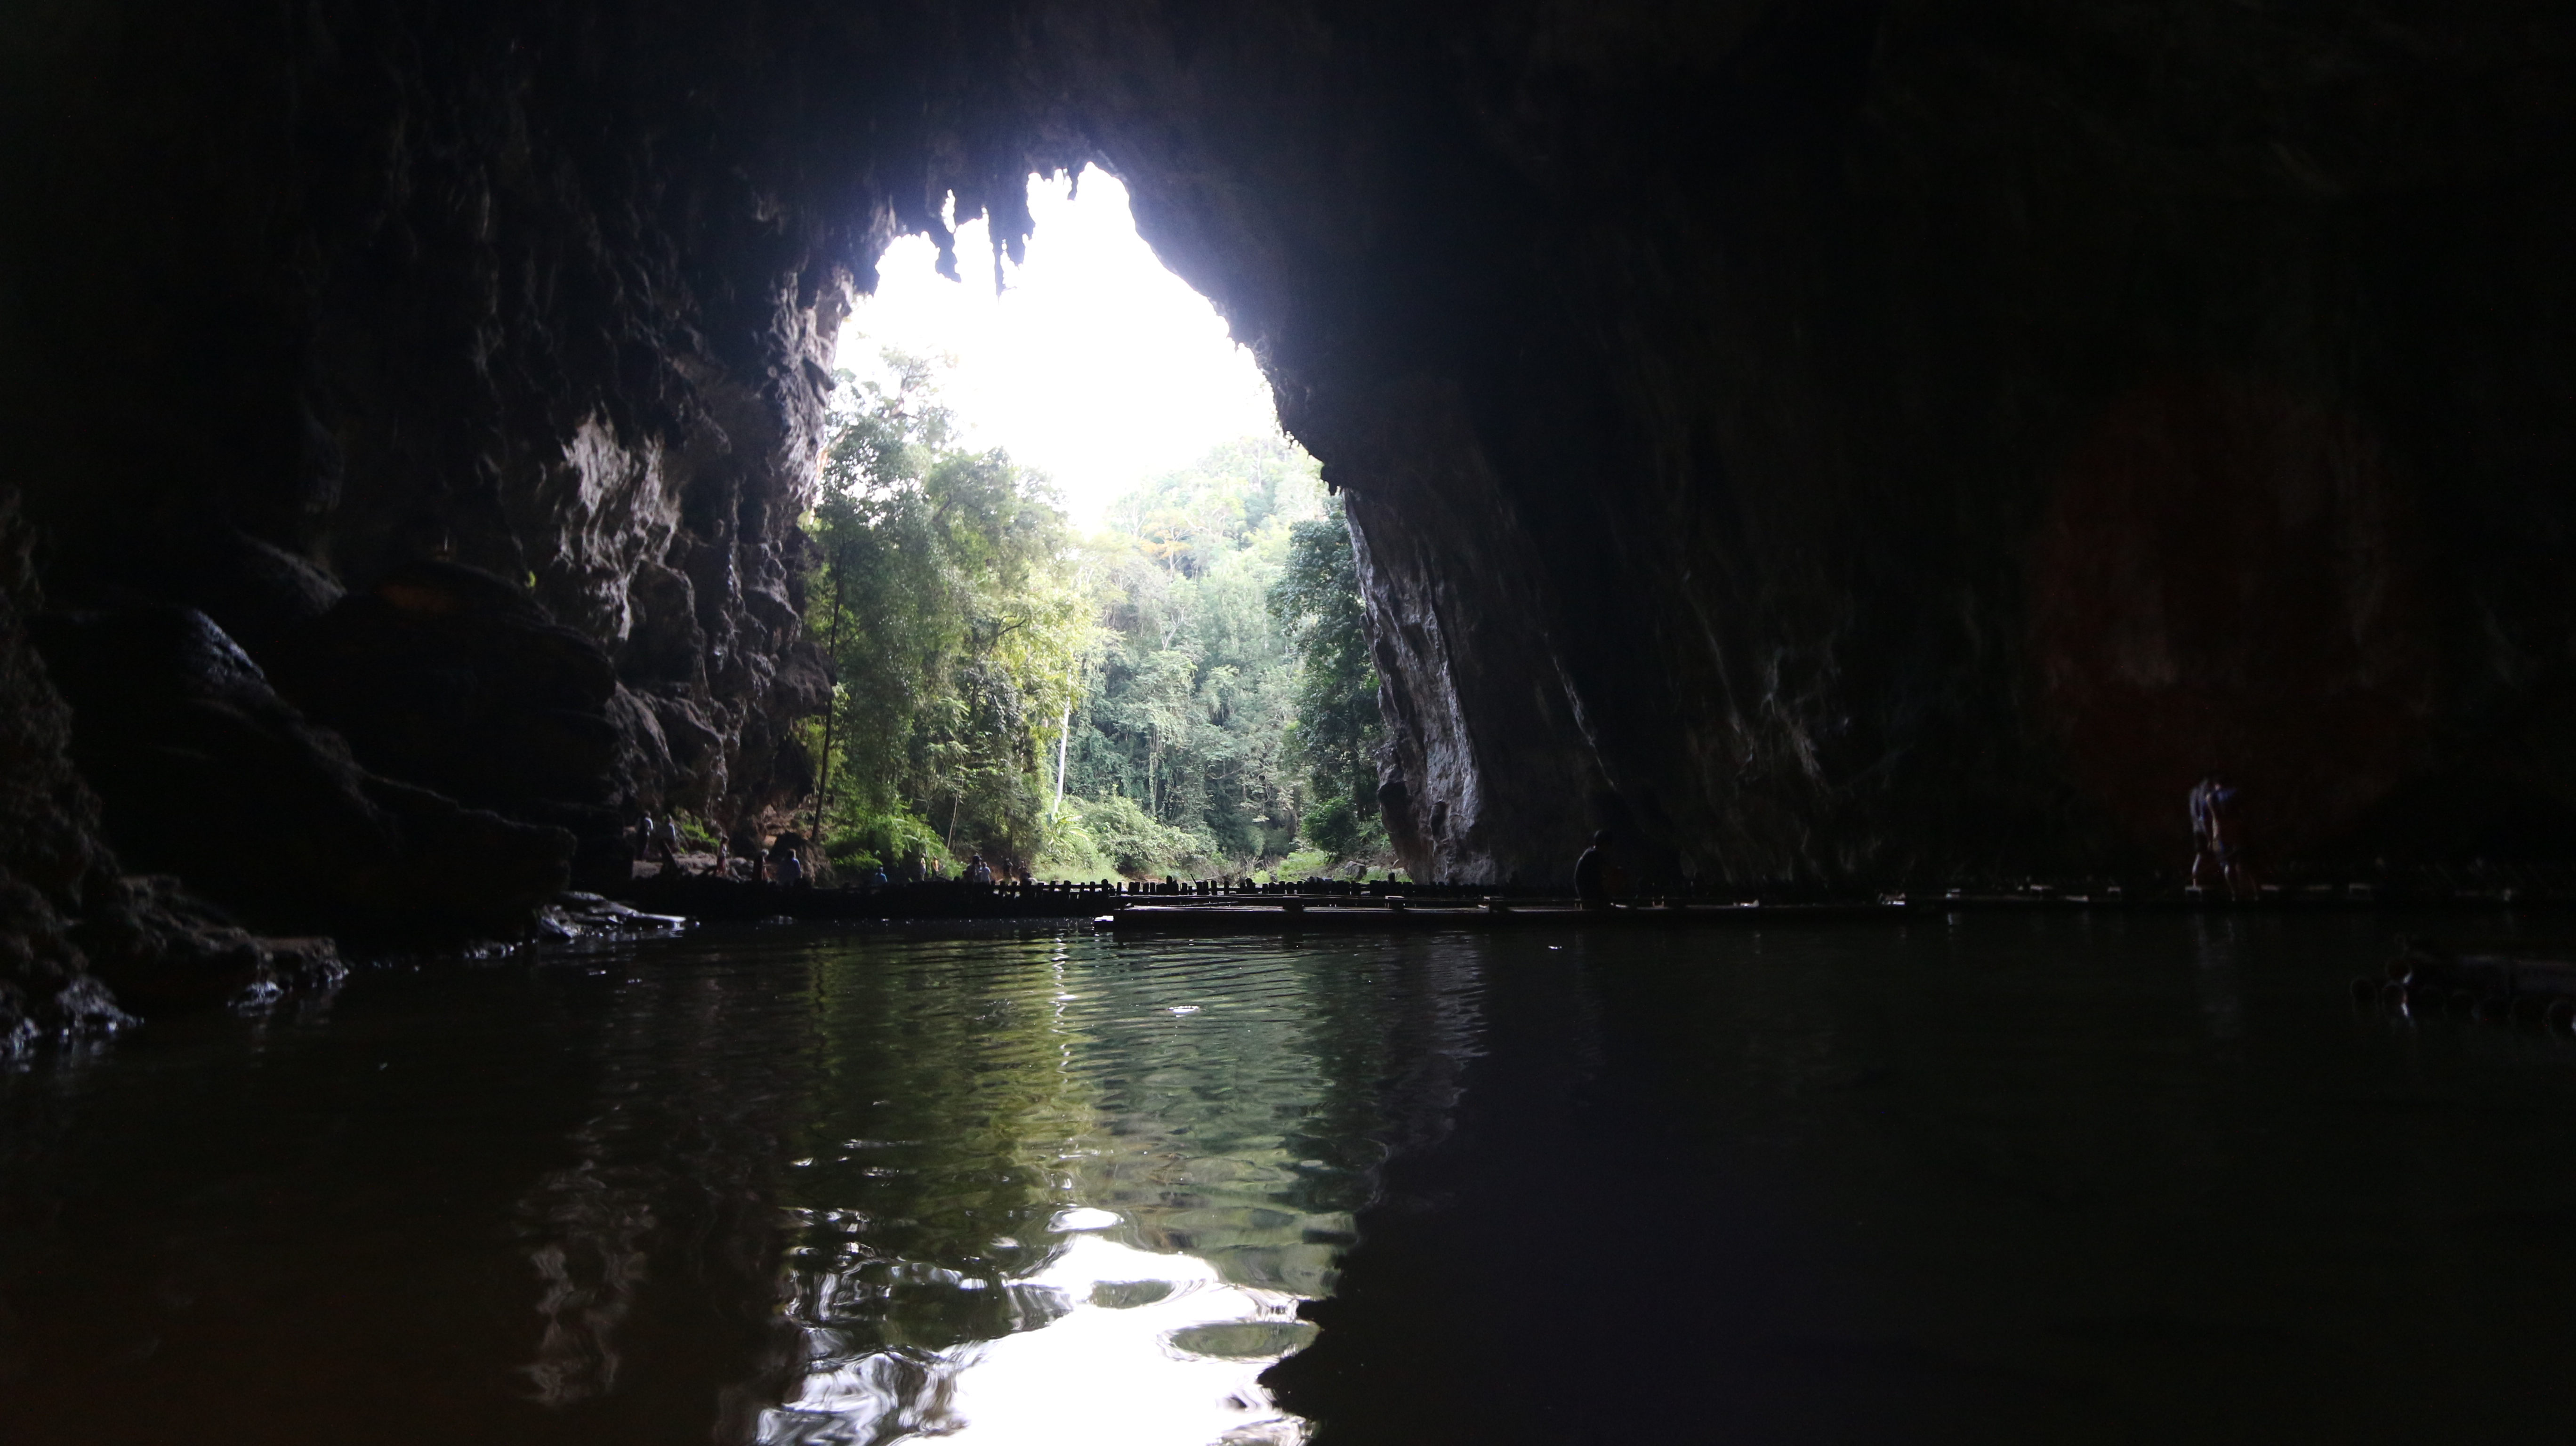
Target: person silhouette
x,y
2216,835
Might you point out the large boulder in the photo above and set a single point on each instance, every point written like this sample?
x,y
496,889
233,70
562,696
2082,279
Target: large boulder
x,y
81,942
460,681
205,772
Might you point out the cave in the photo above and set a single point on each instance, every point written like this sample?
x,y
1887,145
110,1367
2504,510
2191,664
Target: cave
x,y
1840,444
1843,447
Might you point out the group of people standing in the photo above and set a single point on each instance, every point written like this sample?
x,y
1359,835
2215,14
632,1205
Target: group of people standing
x,y
658,841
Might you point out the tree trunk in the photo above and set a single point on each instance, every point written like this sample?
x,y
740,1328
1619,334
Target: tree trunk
x,y
1063,736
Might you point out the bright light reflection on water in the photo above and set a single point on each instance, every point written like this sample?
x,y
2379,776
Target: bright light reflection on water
x,y
1089,1203
1151,1348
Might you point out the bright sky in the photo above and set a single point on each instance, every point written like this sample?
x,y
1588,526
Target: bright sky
x,y
1095,365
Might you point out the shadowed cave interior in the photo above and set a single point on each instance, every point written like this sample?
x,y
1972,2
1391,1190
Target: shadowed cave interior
x,y
1837,444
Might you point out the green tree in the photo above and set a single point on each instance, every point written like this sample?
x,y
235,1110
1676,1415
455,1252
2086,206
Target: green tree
x,y
1139,701
1192,704
1334,742
944,589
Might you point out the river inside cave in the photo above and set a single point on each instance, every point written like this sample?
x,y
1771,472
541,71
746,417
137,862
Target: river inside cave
x,y
2003,1179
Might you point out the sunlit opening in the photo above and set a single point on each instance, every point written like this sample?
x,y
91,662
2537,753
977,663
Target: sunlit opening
x,y
1094,364
1090,615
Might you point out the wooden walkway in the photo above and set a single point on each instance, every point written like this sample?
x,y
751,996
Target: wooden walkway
x,y
1189,909
1295,914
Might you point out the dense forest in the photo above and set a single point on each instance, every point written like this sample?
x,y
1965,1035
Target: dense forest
x,y
1185,691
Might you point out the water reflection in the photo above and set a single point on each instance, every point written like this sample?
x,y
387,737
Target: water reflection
x,y
1081,1202
759,1185
486,1203
674,1171
2215,945
2005,1179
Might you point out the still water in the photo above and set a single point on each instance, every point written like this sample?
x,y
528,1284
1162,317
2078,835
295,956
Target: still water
x,y
1978,1179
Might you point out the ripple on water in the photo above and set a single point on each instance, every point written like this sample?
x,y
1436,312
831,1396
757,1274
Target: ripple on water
x,y
1080,1191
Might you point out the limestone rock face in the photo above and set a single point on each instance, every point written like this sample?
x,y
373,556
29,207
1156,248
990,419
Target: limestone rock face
x,y
1484,764
1824,441
1864,444
472,389
49,848
458,681
72,922
206,773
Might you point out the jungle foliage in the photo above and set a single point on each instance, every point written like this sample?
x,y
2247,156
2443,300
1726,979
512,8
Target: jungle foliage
x,y
954,628
1185,692
1316,601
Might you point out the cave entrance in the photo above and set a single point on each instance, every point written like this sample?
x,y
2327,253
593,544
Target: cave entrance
x,y
1091,362
1090,612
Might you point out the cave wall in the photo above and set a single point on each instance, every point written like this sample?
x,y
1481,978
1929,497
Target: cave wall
x,y
1825,441
434,388
1885,443
392,283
